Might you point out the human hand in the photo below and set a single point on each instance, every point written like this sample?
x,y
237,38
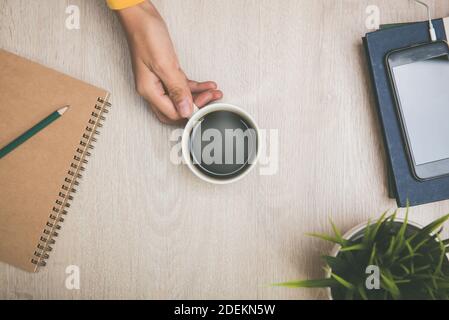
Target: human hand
x,y
157,74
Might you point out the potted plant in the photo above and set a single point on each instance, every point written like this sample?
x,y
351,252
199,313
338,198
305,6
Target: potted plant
x,y
410,262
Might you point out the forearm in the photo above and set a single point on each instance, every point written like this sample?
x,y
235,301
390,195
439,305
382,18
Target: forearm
x,y
158,76
151,38
131,17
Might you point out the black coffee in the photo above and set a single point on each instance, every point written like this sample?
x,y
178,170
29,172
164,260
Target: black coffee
x,y
223,145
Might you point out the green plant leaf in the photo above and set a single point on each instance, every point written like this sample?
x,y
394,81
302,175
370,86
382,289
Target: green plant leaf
x,y
402,281
391,220
409,257
443,284
400,238
407,271
373,255
443,257
429,229
367,235
335,263
356,247
337,232
319,283
424,242
430,291
390,249
409,247
423,268
380,222
343,282
327,238
349,295
390,286
362,292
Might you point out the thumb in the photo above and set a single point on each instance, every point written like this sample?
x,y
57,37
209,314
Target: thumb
x,y
179,93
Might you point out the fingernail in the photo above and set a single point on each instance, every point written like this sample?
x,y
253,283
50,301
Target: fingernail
x,y
184,108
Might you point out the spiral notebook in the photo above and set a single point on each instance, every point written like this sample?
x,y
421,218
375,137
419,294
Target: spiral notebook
x,y
38,179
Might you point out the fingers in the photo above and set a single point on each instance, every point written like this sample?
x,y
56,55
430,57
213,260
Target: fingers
x,y
164,119
198,87
204,98
169,100
178,90
204,92
149,86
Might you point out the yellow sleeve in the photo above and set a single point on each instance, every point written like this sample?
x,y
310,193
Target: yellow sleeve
x,y
122,4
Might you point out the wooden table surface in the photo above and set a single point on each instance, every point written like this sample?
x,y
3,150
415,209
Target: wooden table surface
x,y
142,227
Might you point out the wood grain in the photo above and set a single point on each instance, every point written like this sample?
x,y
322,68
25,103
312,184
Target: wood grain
x,y
141,227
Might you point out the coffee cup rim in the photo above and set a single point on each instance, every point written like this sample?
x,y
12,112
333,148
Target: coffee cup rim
x,y
191,124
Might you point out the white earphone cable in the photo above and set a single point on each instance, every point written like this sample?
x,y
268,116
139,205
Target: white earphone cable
x,y
433,35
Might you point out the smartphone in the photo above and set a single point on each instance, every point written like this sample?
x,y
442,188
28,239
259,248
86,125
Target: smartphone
x,y
419,77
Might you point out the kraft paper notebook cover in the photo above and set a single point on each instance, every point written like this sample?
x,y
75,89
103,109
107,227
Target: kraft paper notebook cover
x,y
378,44
38,178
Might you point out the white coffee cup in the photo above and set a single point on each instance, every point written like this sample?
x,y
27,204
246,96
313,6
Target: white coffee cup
x,y
197,116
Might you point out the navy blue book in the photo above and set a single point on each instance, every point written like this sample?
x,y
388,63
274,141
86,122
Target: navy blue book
x,y
377,45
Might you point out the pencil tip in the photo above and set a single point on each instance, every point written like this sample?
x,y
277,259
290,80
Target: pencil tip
x,y
63,110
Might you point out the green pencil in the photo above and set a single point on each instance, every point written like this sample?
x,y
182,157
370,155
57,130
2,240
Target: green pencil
x,y
34,130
